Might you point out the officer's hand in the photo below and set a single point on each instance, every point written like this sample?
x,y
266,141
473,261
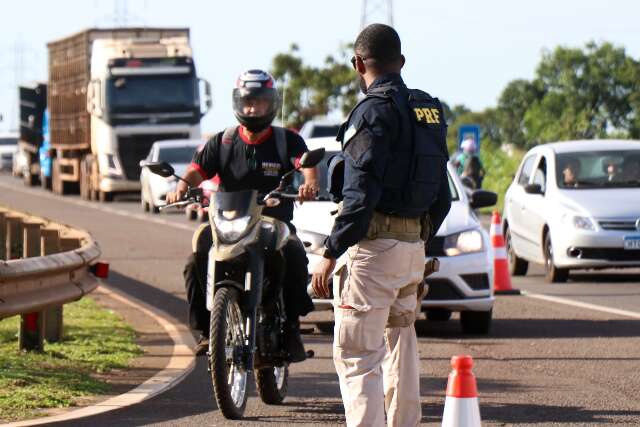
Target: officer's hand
x,y
307,191
321,275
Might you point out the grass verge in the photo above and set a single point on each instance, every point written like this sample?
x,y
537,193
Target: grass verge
x,y
95,341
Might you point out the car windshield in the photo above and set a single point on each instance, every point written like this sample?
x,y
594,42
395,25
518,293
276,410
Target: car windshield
x,y
8,141
152,93
454,191
176,155
598,169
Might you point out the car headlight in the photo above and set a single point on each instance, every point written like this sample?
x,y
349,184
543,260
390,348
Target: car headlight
x,y
462,243
579,222
230,230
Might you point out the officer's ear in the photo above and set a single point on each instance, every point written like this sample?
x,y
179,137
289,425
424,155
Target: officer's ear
x,y
402,60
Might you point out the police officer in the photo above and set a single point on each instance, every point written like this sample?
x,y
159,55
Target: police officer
x,y
395,197
254,155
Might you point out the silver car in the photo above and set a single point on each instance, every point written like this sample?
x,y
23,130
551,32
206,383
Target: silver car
x,y
154,188
575,205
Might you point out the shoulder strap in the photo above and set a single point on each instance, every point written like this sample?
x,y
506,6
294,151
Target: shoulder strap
x,y
281,145
226,145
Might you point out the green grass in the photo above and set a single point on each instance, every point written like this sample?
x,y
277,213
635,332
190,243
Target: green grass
x,y
95,341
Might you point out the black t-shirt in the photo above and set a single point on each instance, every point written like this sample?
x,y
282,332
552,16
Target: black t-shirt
x,y
251,165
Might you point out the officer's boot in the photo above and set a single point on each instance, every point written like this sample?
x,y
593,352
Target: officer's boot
x,y
293,341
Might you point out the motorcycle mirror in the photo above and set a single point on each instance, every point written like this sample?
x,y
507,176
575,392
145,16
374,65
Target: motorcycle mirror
x,y
163,169
312,158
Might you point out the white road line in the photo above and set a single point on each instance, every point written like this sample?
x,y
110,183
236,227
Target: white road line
x,y
566,301
100,207
180,365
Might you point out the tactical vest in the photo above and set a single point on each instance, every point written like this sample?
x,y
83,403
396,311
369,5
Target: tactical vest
x,y
419,155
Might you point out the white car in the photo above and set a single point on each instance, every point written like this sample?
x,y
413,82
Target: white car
x,y
465,280
575,205
154,188
319,129
8,148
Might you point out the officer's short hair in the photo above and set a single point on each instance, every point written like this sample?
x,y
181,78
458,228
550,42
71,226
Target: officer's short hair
x,y
379,41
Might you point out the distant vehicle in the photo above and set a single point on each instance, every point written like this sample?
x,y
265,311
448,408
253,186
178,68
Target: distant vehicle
x,y
154,188
465,281
112,94
8,148
33,104
319,129
575,205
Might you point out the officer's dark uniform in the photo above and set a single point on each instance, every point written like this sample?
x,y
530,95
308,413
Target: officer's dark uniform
x,y
395,197
251,165
379,158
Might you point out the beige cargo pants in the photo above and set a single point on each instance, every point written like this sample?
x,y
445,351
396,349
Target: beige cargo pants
x,y
378,366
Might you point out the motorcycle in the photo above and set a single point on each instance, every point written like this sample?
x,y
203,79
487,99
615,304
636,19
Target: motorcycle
x,y
244,292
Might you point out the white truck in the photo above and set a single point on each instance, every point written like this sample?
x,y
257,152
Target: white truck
x,y
112,94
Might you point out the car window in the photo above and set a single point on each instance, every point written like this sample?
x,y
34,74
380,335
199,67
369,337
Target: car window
x,y
176,155
525,171
321,131
454,191
8,141
540,175
598,169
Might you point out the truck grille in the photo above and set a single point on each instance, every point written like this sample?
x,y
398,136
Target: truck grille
x,y
133,148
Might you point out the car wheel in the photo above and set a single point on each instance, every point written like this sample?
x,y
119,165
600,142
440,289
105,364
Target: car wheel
x,y
476,322
191,212
143,202
552,273
517,265
438,315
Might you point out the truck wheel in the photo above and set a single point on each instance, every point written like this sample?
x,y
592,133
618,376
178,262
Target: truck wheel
x,y
476,322
28,178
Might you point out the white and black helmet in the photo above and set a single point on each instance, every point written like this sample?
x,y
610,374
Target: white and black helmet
x,y
251,85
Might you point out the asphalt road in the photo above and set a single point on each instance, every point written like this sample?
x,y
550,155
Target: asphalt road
x,y
544,362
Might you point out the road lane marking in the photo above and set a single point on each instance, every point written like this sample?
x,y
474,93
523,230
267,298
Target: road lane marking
x,y
182,362
99,207
566,301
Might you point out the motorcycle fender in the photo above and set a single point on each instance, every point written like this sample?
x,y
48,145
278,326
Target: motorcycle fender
x,y
212,288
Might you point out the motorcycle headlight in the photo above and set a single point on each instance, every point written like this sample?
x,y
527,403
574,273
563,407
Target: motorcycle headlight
x,y
230,230
462,243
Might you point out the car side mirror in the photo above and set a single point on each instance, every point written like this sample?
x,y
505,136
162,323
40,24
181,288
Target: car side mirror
x,y
312,158
533,189
163,169
482,199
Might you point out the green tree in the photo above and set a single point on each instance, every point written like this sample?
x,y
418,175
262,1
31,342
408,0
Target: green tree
x,y
309,91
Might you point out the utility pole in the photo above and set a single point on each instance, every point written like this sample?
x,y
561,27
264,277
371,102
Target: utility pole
x,y
376,11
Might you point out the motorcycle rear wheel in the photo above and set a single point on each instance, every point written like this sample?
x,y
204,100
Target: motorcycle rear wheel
x,y
272,384
230,380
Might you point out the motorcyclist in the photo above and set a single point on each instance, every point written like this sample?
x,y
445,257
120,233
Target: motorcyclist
x,y
252,156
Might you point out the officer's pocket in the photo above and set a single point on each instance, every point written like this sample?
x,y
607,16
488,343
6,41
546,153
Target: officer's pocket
x,y
362,330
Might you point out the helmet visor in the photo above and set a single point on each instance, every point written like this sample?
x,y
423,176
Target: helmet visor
x,y
254,102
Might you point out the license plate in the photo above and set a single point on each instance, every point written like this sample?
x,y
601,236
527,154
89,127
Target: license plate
x,y
632,243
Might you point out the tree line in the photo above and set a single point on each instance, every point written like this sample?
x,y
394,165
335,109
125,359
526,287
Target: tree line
x,y
576,93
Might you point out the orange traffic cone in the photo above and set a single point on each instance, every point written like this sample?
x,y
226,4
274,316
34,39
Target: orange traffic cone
x,y
461,405
501,277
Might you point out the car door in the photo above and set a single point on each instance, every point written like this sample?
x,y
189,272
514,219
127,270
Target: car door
x,y
534,210
514,204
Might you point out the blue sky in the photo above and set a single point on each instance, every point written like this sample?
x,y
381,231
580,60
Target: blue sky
x,y
462,51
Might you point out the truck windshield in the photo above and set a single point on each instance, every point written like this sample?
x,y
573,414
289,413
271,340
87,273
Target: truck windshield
x,y
163,93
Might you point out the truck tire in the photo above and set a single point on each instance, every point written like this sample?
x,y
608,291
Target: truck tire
x,y
28,178
45,181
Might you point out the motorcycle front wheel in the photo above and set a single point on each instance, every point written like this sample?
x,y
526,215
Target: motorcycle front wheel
x,y
272,384
225,344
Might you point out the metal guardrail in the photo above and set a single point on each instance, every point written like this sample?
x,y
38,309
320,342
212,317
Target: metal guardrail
x,y
45,265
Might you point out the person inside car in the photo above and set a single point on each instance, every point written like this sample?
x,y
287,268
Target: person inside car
x,y
570,173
